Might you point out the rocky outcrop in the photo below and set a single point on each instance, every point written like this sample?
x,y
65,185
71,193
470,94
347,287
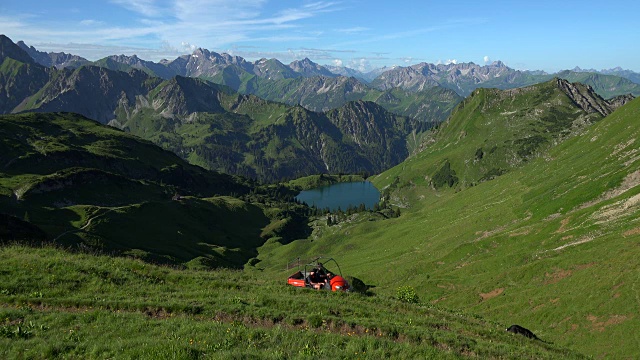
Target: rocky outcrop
x,y
618,101
588,100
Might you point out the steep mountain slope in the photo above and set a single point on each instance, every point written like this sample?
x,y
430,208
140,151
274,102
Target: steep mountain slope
x,y
241,134
92,91
550,245
317,93
493,131
90,186
431,106
20,76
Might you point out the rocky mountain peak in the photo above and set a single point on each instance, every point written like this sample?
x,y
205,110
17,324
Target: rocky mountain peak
x,y
308,68
126,59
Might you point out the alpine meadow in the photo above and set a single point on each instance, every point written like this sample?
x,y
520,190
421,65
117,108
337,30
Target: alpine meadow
x,y
149,188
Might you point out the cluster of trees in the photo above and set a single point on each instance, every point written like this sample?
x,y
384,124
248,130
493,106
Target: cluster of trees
x,y
338,216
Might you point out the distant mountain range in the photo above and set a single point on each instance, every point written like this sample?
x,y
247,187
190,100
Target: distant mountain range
x,y
201,106
210,124
242,75
56,59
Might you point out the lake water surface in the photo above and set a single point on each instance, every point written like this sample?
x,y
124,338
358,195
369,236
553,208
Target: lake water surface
x,y
341,195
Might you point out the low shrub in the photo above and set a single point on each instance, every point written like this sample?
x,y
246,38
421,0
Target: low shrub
x,y
407,294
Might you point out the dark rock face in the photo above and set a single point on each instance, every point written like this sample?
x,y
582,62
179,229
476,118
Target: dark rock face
x,y
93,91
584,97
618,101
587,99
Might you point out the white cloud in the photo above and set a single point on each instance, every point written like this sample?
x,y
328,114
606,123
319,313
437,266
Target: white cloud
x,y
451,61
487,59
91,22
188,47
144,7
362,64
212,24
353,30
337,62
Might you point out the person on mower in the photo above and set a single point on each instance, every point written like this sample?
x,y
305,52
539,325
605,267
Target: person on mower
x,y
317,278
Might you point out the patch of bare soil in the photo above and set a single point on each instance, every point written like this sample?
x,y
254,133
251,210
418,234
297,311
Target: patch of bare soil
x,y
491,294
559,274
585,266
632,232
598,324
487,233
563,225
520,233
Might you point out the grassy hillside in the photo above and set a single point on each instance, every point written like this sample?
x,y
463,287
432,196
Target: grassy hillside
x,y
89,186
494,131
550,245
59,305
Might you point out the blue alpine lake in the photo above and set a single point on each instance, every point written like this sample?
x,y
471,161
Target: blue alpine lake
x,y
341,195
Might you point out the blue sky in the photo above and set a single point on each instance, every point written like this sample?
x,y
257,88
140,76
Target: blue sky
x,y
535,35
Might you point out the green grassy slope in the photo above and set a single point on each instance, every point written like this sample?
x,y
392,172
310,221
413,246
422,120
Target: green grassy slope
x,y
551,245
494,131
59,305
87,185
